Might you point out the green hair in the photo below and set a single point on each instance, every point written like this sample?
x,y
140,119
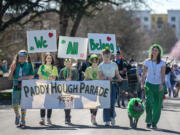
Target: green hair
x,y
156,45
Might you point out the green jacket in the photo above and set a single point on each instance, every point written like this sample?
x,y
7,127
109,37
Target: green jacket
x,y
64,73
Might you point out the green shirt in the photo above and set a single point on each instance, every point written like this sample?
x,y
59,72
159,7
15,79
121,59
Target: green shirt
x,y
91,73
47,71
25,69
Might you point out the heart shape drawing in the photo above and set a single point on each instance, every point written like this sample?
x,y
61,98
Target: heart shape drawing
x,y
82,55
32,48
63,41
50,34
108,38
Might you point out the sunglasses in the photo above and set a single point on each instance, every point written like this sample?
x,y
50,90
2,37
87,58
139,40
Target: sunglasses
x,y
22,54
68,60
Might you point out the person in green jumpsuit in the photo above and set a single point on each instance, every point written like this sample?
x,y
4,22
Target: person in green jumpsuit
x,y
154,72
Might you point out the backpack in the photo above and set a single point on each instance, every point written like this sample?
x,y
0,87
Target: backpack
x,y
132,76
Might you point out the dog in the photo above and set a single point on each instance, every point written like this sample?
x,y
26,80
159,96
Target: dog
x,y
135,110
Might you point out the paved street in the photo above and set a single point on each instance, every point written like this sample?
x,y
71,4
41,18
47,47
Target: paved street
x,y
169,123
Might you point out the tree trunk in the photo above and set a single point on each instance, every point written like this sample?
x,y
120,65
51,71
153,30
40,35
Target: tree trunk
x,y
76,24
64,17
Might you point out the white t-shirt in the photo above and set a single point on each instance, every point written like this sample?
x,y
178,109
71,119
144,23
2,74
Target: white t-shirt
x,y
154,71
108,69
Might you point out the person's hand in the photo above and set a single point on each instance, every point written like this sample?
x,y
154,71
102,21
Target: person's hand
x,y
121,72
110,79
120,80
68,79
13,67
142,86
20,79
50,78
160,87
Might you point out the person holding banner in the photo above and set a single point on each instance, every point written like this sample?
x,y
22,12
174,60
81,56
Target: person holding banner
x,y
47,71
91,73
68,73
20,69
154,72
108,70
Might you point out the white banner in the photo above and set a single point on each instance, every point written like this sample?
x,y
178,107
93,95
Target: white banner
x,y
39,94
72,47
98,42
41,41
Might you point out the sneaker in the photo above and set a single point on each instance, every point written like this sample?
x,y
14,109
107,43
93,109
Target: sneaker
x,y
68,121
17,120
148,125
49,122
123,104
23,123
154,127
93,120
107,123
42,122
113,121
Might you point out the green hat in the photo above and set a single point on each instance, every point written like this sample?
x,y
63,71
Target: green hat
x,y
156,45
92,57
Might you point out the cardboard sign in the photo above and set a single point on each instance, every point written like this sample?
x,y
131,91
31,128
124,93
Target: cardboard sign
x,y
98,42
72,47
41,41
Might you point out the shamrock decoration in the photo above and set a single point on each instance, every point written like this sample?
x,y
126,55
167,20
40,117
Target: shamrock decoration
x,y
63,41
32,48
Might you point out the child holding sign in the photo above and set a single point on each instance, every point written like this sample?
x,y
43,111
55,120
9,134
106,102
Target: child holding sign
x,y
21,69
91,73
47,71
68,73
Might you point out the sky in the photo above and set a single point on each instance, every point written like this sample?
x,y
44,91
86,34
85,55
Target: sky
x,y
161,6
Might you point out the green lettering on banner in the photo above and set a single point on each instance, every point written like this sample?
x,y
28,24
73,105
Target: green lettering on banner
x,y
40,43
69,48
92,44
44,44
72,48
75,47
112,47
100,45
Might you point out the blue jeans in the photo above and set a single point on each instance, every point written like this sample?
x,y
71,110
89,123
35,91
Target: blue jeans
x,y
110,113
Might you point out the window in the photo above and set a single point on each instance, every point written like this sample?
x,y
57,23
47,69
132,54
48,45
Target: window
x,y
145,19
159,22
153,19
174,26
145,27
173,19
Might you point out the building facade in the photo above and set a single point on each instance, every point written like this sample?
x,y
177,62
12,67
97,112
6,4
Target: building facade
x,y
174,21
158,21
143,18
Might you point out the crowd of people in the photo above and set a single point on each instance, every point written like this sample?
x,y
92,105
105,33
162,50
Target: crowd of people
x,y
128,80
3,67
